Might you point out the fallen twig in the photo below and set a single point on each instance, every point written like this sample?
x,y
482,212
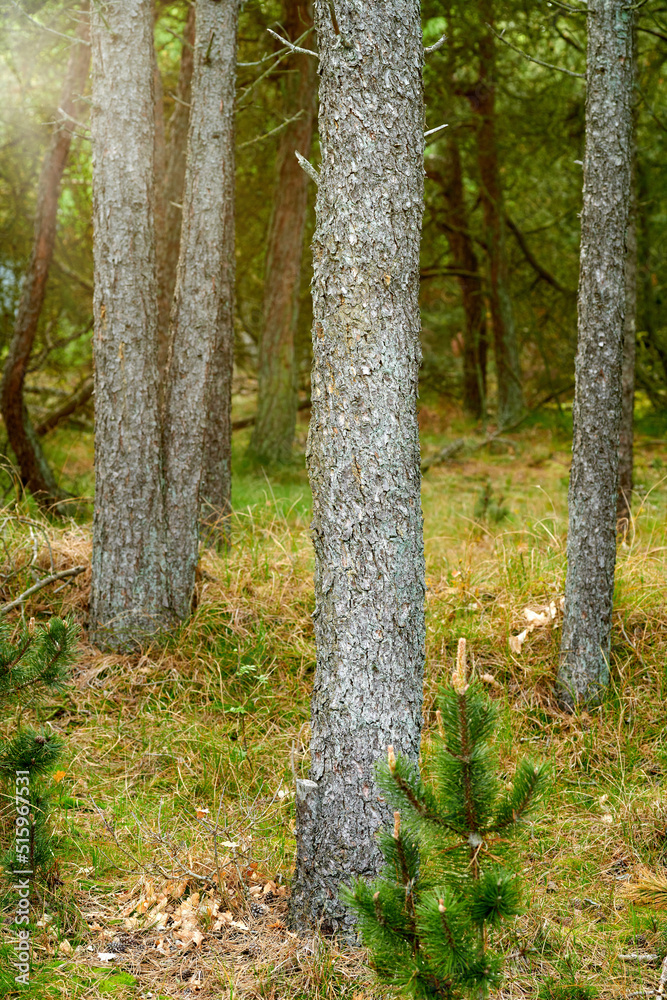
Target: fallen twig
x,y
74,571
662,982
644,958
450,450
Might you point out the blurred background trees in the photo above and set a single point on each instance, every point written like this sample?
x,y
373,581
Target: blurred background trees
x,y
489,253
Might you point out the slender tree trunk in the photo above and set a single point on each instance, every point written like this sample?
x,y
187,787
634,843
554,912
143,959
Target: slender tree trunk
x,y
160,187
626,437
591,546
273,433
129,599
506,348
363,450
645,248
469,278
34,470
169,240
216,483
199,376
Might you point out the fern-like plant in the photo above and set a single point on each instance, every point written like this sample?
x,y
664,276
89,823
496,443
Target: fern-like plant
x,y
448,881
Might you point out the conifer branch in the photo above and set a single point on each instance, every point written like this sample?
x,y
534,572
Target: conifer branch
x,y
419,807
451,951
465,766
445,926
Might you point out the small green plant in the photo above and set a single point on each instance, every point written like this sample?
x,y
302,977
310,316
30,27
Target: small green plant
x,y
447,883
558,989
35,662
490,507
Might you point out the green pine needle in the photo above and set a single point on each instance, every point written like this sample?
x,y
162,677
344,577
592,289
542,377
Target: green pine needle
x,y
427,920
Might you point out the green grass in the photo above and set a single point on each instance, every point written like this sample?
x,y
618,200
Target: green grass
x,y
216,719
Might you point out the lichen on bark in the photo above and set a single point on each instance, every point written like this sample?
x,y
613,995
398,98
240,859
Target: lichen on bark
x,y
591,546
363,447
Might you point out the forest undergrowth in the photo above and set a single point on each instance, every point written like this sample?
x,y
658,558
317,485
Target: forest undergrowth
x,y
174,812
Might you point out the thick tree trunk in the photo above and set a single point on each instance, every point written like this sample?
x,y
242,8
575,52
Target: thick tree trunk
x,y
470,282
129,600
273,433
591,546
199,375
506,348
169,240
363,450
34,470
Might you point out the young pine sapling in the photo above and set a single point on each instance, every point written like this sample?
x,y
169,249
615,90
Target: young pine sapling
x,y
448,881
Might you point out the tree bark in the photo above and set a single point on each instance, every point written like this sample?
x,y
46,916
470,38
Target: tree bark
x,y
506,348
129,597
273,434
199,375
591,546
363,449
34,470
169,240
470,281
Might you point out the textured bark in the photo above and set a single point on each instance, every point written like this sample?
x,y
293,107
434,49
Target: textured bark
x,y
469,278
129,599
506,348
363,448
199,373
591,546
273,434
169,240
34,470
160,207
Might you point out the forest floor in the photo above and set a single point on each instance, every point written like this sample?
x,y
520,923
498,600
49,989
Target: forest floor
x,y
206,733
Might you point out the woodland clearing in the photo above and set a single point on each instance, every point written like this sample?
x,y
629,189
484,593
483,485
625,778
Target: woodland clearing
x,y
174,814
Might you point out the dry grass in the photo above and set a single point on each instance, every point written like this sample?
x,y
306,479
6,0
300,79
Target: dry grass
x,y
175,817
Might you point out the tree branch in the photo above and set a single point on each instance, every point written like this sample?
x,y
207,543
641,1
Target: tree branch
x,y
450,450
308,167
44,27
539,62
436,45
540,271
274,131
74,571
73,403
292,47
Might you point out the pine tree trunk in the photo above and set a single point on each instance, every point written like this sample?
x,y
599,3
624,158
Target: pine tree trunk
x,y
129,599
363,451
198,385
216,483
465,261
176,151
506,348
273,433
591,546
34,470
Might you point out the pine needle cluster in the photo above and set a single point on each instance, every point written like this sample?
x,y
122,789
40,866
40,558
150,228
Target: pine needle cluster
x,y
448,880
35,662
